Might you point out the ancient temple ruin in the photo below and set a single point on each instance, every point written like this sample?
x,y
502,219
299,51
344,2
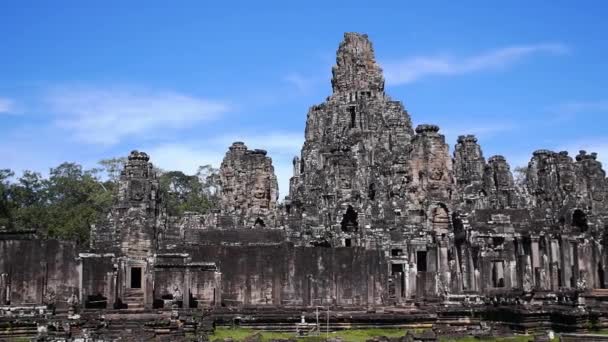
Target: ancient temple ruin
x,y
249,188
379,214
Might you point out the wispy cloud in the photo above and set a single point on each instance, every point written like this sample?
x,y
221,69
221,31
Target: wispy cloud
x,y
187,156
6,105
300,82
106,116
574,109
184,156
481,129
415,68
304,84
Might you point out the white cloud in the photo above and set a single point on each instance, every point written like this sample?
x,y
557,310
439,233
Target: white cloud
x,y
282,147
415,68
185,157
107,116
574,109
188,156
300,82
6,105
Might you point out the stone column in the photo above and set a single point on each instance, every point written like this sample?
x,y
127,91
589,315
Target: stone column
x,y
217,293
567,261
4,289
148,284
535,259
186,289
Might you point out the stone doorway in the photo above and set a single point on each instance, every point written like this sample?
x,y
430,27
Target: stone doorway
x,y
135,277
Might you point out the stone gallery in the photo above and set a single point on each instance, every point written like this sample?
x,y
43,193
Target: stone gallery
x,y
381,221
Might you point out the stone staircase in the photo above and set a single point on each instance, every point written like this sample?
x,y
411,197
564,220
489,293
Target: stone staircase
x,y
134,298
599,293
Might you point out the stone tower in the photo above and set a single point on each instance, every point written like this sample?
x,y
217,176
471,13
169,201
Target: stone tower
x,y
354,155
249,189
135,219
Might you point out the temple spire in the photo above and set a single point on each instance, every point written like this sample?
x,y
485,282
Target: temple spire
x,y
356,68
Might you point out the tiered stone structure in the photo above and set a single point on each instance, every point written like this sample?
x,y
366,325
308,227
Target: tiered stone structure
x,y
355,151
249,188
378,215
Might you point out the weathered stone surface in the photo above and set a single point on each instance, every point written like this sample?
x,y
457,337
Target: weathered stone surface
x,y
499,184
378,215
137,215
355,148
249,188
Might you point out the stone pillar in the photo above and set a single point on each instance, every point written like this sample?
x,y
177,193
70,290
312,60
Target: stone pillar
x,y
217,293
554,276
535,259
413,274
148,285
4,289
186,288
370,290
555,260
79,269
511,274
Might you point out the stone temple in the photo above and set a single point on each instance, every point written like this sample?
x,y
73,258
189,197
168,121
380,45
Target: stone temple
x,y
383,221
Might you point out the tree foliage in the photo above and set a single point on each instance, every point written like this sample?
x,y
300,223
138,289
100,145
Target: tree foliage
x,y
65,203
184,193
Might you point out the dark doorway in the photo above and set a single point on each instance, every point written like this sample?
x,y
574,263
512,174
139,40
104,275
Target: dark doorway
x,y
136,277
348,243
353,117
349,220
600,276
421,261
579,220
259,223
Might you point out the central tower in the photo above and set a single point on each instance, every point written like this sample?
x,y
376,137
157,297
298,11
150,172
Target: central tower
x,y
352,164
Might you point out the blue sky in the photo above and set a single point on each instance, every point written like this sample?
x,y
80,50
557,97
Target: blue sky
x,y
81,81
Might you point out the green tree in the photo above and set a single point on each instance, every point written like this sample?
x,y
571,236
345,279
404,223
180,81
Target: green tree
x,y
183,192
113,167
6,219
76,199
30,201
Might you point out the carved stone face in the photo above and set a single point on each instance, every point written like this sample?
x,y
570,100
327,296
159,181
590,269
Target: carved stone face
x,y
138,190
502,175
566,174
436,174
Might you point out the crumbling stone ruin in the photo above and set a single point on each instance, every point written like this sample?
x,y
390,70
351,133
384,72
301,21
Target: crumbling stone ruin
x,y
380,216
249,188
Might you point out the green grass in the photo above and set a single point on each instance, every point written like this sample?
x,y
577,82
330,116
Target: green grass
x,y
517,338
354,335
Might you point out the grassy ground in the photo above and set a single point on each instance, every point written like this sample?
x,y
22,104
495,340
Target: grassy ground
x,y
518,338
354,335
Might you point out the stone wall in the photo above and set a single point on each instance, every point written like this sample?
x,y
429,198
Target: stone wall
x,y
288,275
36,271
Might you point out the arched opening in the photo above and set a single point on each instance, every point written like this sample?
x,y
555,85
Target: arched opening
x,y
372,191
579,220
353,117
349,220
259,223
